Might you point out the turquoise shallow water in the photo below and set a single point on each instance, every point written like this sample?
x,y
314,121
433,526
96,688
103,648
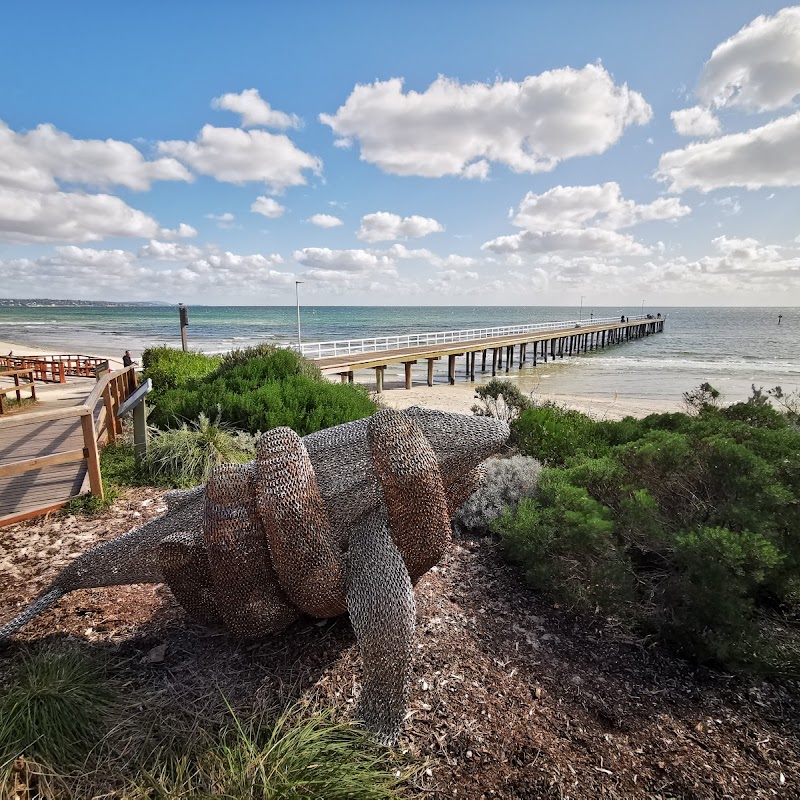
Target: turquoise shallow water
x,y
729,347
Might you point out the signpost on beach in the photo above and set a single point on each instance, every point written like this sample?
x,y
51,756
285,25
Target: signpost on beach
x,y
184,315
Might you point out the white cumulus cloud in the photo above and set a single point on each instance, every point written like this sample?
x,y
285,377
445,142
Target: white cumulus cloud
x,y
584,240
325,221
255,110
600,205
268,207
92,274
323,258
758,68
765,156
695,121
28,216
232,155
384,227
39,159
457,129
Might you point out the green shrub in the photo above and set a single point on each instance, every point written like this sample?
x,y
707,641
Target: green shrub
x,y
169,368
259,389
500,399
684,525
564,541
556,435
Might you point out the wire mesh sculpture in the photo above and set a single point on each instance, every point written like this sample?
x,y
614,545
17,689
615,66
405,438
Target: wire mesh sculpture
x,y
343,520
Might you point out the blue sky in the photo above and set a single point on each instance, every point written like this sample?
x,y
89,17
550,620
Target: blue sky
x,y
529,155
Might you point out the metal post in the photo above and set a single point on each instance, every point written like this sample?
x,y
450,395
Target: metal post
x,y
581,314
297,300
140,432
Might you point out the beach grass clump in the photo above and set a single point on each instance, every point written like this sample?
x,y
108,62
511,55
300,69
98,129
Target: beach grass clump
x,y
184,457
258,389
52,707
294,756
684,525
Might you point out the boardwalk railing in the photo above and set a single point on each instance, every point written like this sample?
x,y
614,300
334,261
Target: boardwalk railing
x,y
45,456
18,387
55,368
344,347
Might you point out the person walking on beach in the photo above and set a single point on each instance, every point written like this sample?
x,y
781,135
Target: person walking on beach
x,y
127,361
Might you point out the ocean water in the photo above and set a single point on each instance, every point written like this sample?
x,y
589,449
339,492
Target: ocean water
x,y
731,348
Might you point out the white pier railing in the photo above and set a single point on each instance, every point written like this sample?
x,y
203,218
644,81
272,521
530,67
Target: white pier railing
x,y
375,344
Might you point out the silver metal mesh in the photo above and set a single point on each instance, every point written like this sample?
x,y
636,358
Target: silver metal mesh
x,y
346,519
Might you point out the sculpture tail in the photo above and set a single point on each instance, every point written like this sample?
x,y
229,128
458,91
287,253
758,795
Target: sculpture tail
x,y
42,603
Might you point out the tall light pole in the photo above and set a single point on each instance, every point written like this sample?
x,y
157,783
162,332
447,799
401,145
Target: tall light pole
x,y
297,300
642,307
581,314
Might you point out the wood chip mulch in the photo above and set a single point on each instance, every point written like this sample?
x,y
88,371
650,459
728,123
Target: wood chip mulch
x,y
513,697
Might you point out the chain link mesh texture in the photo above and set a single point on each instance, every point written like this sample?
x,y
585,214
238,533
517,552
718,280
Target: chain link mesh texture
x,y
345,519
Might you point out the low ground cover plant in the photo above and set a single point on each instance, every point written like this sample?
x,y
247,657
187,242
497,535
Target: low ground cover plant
x,y
684,525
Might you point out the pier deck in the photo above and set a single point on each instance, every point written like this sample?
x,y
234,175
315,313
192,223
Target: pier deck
x,y
555,342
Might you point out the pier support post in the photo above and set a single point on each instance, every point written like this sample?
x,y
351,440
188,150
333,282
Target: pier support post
x,y
430,371
350,377
494,361
472,368
544,350
407,365
451,369
483,362
379,378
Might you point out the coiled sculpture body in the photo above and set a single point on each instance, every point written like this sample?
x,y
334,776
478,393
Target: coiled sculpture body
x,y
344,520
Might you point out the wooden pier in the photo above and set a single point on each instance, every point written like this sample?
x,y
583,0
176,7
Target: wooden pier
x,y
518,346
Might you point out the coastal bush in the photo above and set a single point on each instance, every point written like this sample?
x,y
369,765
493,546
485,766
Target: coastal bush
x,y
258,389
169,368
500,399
683,525
556,435
506,481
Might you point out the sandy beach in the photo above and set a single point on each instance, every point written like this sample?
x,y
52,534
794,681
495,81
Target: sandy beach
x,y
461,397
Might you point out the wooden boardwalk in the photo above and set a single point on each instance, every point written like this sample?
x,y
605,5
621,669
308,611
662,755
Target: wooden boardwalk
x,y
47,455
526,347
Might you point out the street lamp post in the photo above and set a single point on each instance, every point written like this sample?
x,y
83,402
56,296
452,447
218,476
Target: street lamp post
x,y
642,307
297,300
581,314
